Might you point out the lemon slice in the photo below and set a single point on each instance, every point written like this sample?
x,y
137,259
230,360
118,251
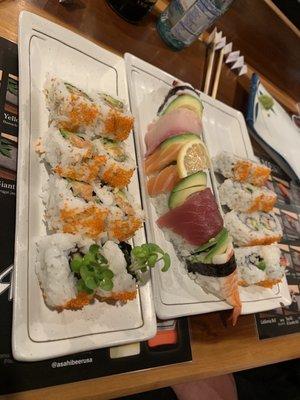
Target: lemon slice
x,y
193,157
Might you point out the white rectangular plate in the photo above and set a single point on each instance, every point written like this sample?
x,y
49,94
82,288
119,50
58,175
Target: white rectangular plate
x,y
175,294
39,333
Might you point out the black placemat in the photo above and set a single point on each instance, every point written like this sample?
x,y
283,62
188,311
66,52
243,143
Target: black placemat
x,y
285,320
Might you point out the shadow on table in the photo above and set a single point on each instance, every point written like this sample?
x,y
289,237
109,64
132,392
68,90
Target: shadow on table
x,y
273,382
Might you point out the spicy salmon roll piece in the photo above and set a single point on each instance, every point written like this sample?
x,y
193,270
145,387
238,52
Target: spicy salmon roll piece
x,y
241,170
115,122
70,155
125,217
70,108
70,214
245,197
257,228
95,115
61,147
119,167
259,265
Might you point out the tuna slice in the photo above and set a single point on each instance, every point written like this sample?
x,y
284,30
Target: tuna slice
x,y
171,124
197,220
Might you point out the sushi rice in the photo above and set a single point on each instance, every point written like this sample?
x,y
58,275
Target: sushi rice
x,y
245,197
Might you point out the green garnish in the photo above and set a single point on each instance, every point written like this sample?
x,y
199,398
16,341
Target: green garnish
x,y
266,101
146,256
261,265
93,270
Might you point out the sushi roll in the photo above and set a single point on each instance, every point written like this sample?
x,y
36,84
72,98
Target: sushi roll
x,y
259,265
245,197
70,214
115,122
119,167
56,279
94,210
70,155
70,108
241,170
213,267
72,271
253,229
97,115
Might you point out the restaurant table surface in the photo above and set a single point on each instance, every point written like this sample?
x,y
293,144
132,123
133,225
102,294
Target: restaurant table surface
x,y
271,47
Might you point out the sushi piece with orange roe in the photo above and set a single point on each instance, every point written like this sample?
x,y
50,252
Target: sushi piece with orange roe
x,y
69,213
241,170
119,167
95,115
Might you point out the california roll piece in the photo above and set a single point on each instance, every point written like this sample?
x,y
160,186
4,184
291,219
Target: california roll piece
x,y
246,197
259,265
56,279
70,214
253,229
241,170
70,108
119,167
124,285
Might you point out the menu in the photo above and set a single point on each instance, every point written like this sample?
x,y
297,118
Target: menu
x,y
285,320
170,345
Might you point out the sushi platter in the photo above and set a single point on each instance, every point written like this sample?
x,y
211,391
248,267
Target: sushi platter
x,y
224,130
39,332
100,204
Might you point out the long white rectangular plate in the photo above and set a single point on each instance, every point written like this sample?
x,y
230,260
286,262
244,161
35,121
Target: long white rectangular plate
x,y
39,333
175,294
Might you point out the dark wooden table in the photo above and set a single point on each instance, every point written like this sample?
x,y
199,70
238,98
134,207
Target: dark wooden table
x,y
271,47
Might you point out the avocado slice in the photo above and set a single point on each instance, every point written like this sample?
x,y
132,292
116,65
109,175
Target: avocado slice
x,y
196,179
179,197
219,248
183,138
210,243
186,101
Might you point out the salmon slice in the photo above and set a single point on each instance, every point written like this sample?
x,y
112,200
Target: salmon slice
x,y
230,292
161,158
164,181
